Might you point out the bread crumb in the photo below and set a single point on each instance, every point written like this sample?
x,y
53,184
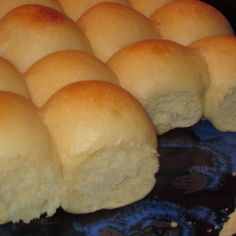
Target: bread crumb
x,y
209,230
173,224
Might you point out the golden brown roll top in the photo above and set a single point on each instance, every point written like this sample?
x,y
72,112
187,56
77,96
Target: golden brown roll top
x,y
30,171
7,6
167,78
11,80
59,69
107,145
30,32
186,21
220,55
75,8
147,7
110,27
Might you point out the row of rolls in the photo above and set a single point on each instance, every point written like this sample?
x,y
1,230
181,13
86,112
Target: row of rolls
x,y
86,87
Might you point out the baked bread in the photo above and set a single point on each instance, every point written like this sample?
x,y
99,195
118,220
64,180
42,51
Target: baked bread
x,y
107,145
111,26
220,55
30,171
75,8
186,21
229,227
167,78
6,6
59,69
11,80
30,32
147,7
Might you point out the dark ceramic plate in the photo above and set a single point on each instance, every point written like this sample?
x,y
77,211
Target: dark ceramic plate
x,y
194,194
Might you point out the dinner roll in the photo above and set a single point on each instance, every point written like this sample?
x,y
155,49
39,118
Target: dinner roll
x,y
229,227
11,80
75,8
30,32
58,69
186,21
110,26
30,171
167,78
107,145
220,98
147,7
6,6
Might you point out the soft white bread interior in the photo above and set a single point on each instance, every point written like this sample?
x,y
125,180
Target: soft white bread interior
x,y
75,8
30,32
167,78
147,7
107,145
220,55
186,21
111,26
30,171
11,80
59,69
6,6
